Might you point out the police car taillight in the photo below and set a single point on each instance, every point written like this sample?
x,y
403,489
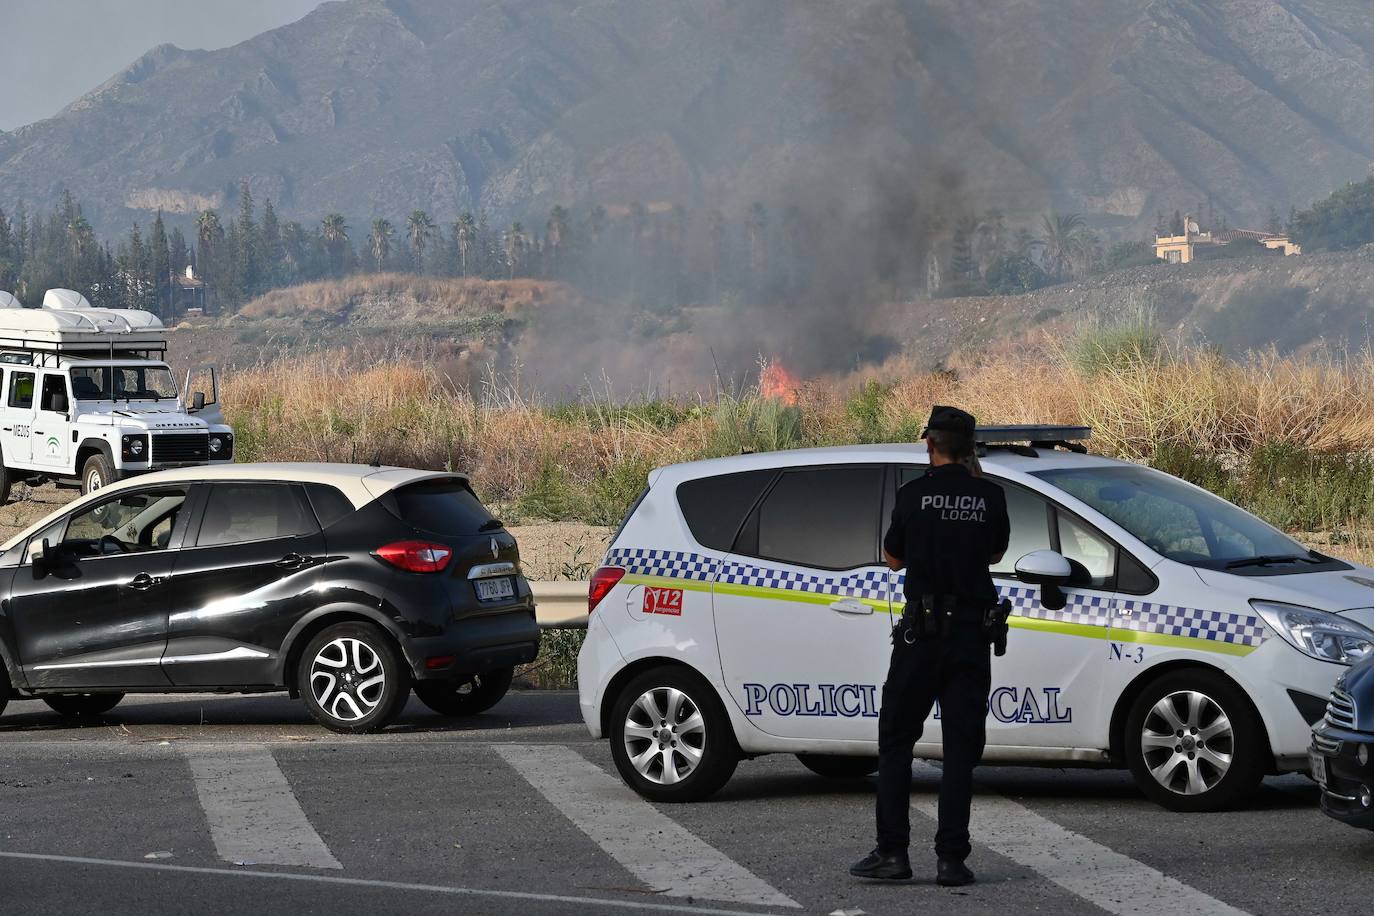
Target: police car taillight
x,y
603,580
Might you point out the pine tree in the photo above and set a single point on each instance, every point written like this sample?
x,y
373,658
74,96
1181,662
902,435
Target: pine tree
x,y
160,267
270,255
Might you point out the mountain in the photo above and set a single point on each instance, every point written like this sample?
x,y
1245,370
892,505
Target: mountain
x,y
1116,108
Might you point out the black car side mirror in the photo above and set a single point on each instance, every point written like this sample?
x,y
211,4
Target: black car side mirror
x,y
39,561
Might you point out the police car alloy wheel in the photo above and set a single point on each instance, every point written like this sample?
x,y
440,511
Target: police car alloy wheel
x,y
839,766
1193,742
670,738
351,679
83,705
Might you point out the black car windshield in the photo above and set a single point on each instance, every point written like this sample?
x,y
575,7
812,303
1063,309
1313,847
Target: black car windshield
x,y
1181,522
123,383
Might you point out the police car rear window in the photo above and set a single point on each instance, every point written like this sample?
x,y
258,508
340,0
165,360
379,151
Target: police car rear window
x,y
827,518
715,507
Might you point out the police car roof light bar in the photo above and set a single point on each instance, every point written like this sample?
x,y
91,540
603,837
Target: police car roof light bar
x,y
1016,438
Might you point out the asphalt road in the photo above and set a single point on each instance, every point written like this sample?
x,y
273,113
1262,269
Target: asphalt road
x,y
242,805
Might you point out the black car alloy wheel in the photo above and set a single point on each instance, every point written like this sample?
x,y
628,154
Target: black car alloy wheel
x,y
352,679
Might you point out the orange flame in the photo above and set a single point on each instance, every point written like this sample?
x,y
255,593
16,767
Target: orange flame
x,y
777,383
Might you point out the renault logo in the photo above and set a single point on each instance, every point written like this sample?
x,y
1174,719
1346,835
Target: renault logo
x,y
495,549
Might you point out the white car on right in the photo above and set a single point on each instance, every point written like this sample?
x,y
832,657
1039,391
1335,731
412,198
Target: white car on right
x,y
743,608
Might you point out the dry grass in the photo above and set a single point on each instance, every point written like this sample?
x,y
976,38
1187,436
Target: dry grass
x,y
404,295
1281,422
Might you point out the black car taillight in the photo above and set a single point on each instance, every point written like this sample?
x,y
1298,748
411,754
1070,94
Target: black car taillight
x,y
603,580
415,556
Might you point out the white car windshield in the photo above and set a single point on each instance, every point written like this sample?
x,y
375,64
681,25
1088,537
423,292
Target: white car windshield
x,y
123,383
1181,522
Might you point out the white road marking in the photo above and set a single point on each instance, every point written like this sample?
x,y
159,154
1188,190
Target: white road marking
x,y
254,817
598,902
1104,877
651,846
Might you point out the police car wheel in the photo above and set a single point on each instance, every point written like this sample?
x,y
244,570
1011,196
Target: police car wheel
x,y
839,767
1194,743
670,737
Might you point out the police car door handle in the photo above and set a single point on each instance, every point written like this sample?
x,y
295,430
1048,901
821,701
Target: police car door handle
x,y
850,606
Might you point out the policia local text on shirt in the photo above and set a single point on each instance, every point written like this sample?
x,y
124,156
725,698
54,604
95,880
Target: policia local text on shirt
x,y
948,527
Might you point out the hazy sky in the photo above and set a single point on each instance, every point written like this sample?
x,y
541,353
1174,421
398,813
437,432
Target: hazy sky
x,y
54,51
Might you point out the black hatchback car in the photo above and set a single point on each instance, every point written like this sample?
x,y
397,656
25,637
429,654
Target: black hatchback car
x,y
1342,750
345,585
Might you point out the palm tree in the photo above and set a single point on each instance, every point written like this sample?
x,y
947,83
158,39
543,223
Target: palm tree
x,y
556,235
334,231
515,247
380,241
1063,242
208,228
465,234
421,230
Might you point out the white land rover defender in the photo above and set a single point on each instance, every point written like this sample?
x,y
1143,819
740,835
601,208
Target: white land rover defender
x,y
86,396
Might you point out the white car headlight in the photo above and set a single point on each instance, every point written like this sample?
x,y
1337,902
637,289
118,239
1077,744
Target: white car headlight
x,y
1327,637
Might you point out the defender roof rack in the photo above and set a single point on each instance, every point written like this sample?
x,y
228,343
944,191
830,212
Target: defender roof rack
x,y
68,325
1025,439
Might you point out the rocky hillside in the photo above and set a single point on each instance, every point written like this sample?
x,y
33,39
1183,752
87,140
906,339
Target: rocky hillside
x,y
1118,108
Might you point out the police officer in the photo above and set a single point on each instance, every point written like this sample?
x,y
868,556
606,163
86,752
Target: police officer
x,y
947,528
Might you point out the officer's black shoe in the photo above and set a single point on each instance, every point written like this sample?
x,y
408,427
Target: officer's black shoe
x,y
953,873
884,866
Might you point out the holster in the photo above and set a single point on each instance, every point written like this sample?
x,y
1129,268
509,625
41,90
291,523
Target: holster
x,y
995,626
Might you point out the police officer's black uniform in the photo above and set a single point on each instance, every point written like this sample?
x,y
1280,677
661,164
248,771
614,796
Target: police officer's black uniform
x,y
947,528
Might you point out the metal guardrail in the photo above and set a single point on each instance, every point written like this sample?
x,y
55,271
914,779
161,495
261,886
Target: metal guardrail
x,y
560,605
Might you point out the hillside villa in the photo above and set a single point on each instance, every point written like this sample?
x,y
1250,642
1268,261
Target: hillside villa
x,y
1193,243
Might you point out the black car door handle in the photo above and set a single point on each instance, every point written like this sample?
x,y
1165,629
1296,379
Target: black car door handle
x,y
291,561
144,581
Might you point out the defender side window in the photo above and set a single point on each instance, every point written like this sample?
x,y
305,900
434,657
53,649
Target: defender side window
x,y
827,518
53,385
21,390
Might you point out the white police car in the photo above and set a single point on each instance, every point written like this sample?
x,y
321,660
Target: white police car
x,y
743,609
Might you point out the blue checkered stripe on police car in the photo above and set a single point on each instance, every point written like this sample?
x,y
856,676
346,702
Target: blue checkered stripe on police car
x,y
1090,610
1170,620
669,564
873,584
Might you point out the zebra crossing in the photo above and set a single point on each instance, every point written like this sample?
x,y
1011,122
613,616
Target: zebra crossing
x,y
529,820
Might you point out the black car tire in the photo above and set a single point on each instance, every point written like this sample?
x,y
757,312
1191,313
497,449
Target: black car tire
x,y
83,705
1245,743
97,468
365,653
834,766
4,689
469,696
712,739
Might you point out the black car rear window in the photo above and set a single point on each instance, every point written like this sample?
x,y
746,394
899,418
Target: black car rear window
x,y
329,504
445,506
715,507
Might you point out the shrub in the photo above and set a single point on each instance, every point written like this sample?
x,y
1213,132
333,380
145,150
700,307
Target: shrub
x,y
1133,342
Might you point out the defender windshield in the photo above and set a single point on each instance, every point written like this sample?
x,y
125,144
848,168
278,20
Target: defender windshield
x,y
1185,524
123,383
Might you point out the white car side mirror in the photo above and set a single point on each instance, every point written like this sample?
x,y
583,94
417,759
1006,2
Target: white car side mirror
x,y
1048,569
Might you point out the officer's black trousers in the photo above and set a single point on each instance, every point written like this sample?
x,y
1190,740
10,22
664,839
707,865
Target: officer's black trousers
x,y
956,671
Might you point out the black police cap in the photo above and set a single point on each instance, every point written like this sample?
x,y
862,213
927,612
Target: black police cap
x,y
950,420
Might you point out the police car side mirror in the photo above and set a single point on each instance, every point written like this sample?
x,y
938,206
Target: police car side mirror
x,y
1049,570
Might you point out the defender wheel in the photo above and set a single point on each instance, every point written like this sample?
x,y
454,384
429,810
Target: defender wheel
x,y
352,679
839,767
1194,743
97,472
83,705
6,479
670,737
472,694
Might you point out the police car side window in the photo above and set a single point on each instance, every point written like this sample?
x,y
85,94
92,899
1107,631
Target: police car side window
x,y
1082,545
1030,527
827,518
715,507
